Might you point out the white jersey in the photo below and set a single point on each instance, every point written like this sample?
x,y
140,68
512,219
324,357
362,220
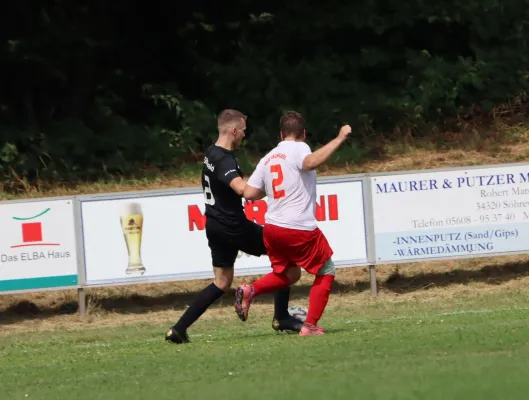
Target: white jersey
x,y
291,191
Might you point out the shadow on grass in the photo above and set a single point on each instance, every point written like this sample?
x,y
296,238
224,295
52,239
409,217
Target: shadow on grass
x,y
490,274
143,303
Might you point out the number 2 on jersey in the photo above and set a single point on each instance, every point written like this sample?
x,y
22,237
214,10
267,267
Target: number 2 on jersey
x,y
276,169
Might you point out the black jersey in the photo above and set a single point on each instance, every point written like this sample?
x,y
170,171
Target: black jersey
x,y
222,203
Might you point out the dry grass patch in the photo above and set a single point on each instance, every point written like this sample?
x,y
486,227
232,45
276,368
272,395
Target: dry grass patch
x,y
164,302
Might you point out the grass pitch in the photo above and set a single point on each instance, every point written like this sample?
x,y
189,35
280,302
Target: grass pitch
x,y
462,348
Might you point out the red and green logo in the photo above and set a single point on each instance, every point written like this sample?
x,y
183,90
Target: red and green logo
x,y
32,232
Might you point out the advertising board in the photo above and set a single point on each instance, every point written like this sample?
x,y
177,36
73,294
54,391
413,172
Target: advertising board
x,y
161,236
451,214
37,245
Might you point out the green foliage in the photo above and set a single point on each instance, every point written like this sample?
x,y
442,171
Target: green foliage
x,y
114,86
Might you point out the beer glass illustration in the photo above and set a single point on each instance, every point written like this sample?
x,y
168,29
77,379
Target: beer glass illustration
x,y
132,225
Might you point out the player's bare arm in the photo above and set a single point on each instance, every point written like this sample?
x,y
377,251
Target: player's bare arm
x,y
255,189
320,156
238,185
252,193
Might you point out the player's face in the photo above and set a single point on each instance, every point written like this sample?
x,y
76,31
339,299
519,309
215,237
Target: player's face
x,y
239,133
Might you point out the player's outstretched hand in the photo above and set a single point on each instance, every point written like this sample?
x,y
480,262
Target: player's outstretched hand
x,y
345,131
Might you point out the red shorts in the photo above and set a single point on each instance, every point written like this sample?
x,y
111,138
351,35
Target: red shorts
x,y
288,247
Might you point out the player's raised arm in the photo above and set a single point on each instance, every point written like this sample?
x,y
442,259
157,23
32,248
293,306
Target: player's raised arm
x,y
314,160
255,189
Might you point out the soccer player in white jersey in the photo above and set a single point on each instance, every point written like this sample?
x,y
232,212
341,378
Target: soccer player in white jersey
x,y
286,176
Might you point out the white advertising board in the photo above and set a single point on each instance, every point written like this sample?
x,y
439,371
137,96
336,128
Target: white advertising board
x,y
37,246
460,213
163,236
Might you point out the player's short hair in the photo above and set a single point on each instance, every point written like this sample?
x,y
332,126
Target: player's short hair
x,y
292,123
230,118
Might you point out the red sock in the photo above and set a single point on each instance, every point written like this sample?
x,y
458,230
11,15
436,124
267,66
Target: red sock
x,y
270,283
318,297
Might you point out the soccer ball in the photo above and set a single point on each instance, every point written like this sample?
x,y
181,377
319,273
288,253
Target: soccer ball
x,y
298,312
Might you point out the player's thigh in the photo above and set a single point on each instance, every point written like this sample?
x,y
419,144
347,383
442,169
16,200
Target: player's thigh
x,y
314,253
223,259
251,240
277,250
223,252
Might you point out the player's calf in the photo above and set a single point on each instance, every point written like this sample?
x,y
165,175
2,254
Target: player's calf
x,y
209,295
318,298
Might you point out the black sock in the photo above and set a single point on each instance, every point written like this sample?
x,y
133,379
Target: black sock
x,y
281,298
205,298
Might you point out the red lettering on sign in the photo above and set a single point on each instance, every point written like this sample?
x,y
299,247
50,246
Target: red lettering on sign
x,y
333,207
196,218
321,209
255,211
326,210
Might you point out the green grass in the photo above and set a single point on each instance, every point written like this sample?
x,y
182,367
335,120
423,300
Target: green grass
x,y
473,348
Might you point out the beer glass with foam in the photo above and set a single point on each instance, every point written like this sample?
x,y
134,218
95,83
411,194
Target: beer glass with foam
x,y
132,225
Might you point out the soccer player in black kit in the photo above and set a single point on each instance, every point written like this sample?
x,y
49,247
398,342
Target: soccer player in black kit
x,y
227,228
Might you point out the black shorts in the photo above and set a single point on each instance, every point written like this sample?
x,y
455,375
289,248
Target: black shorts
x,y
225,242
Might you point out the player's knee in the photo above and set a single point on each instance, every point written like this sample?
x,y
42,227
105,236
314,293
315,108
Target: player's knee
x,y
223,278
293,274
223,283
328,268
